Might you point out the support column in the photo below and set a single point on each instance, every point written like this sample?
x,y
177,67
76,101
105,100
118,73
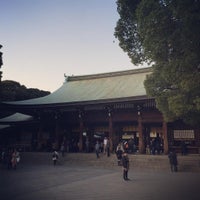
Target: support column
x,y
141,138
81,126
110,132
165,138
80,144
57,133
39,137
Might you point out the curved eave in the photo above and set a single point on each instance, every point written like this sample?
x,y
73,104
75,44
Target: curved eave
x,y
16,118
4,126
75,104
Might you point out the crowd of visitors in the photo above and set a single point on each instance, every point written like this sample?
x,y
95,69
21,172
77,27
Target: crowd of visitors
x,y
10,158
103,145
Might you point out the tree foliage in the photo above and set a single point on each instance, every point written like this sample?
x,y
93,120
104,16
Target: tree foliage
x,y
14,91
165,33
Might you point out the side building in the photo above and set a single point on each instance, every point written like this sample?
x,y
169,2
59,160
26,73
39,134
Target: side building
x,y
90,107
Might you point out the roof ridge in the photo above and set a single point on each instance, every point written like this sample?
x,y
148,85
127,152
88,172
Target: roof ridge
x,y
108,74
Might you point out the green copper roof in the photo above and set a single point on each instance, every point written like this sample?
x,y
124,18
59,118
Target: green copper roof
x,y
96,87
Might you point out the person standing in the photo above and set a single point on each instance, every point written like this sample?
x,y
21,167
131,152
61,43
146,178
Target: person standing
x,y
62,149
87,145
105,142
8,159
119,153
17,156
55,158
14,159
125,165
108,148
97,146
183,148
173,161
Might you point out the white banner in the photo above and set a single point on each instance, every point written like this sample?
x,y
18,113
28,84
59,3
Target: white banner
x,y
184,134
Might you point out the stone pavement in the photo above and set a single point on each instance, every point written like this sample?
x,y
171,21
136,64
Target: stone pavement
x,y
32,181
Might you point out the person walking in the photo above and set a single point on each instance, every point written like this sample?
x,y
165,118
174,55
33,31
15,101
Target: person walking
x,y
97,146
173,161
62,149
125,165
55,158
105,142
108,148
87,145
14,159
8,158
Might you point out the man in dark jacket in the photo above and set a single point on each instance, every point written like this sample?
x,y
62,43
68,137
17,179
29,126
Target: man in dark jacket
x,y
125,166
119,153
173,161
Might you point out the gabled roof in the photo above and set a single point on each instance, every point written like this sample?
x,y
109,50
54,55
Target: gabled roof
x,y
96,88
17,117
4,126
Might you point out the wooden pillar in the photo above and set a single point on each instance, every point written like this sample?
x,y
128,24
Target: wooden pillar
x,y
39,137
165,138
57,130
81,126
197,138
141,138
57,133
110,131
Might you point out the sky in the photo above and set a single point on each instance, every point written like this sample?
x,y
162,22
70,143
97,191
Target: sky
x,y
45,39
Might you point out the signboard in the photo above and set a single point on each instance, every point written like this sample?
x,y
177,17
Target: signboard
x,y
126,136
130,128
184,134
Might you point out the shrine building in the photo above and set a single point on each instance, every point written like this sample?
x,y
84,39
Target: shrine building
x,y
90,107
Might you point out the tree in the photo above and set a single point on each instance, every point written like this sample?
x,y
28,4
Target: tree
x,y
165,33
14,91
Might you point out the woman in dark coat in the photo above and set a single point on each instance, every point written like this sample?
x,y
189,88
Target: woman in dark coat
x,y
125,166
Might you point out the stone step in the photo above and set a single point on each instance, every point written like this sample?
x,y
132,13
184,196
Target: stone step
x,y
189,163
